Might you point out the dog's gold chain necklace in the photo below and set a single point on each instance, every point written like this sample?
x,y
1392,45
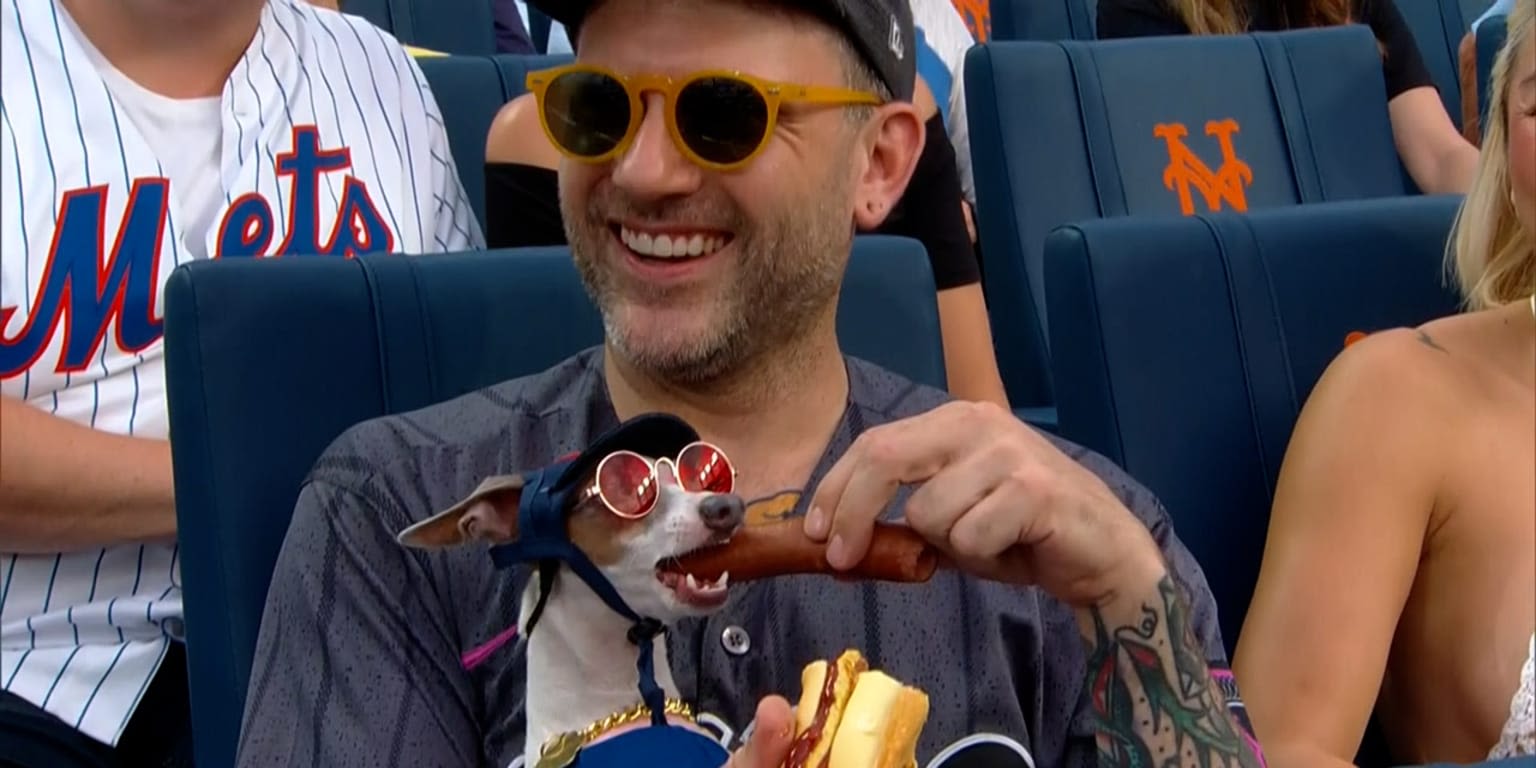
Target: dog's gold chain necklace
x,y
560,750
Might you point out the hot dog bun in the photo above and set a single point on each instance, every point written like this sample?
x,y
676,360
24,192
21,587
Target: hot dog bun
x,y
863,719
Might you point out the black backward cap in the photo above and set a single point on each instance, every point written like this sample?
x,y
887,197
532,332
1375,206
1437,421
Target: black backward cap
x,y
880,30
655,435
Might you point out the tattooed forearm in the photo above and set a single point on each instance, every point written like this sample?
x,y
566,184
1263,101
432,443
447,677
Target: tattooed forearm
x,y
1154,700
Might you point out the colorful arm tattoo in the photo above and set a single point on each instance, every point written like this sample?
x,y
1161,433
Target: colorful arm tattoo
x,y
1156,702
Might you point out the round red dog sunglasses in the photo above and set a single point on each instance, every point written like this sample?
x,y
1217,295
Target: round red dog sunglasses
x,y
627,482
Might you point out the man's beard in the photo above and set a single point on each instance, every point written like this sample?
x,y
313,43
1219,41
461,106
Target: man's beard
x,y
785,273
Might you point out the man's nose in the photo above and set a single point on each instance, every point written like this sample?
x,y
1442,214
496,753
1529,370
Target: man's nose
x,y
652,167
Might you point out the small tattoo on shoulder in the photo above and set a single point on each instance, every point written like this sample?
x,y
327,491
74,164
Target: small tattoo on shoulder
x,y
1425,339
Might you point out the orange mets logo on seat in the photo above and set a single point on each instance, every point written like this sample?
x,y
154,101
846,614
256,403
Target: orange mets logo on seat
x,y
978,17
1227,183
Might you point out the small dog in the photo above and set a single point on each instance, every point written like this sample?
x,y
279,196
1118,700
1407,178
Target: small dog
x,y
632,515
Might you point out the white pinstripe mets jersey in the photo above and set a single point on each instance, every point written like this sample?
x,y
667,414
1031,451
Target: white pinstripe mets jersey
x,y
325,140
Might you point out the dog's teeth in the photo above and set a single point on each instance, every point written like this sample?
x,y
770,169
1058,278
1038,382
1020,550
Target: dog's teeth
x,y
725,578
692,582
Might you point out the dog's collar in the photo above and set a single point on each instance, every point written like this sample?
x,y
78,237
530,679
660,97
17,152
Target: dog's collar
x,y
561,749
542,539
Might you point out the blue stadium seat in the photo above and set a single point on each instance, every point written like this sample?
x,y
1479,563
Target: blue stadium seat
x,y
339,342
458,27
1490,38
469,91
1185,347
1073,130
1044,20
1471,9
1438,27
376,11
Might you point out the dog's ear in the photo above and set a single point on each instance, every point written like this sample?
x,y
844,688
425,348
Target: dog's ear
x,y
489,514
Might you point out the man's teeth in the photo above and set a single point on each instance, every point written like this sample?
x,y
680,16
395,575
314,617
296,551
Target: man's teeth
x,y
675,246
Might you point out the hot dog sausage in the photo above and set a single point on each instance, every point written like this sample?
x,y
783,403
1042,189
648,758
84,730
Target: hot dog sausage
x,y
896,553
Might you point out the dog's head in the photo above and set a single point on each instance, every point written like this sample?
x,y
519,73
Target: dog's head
x,y
633,543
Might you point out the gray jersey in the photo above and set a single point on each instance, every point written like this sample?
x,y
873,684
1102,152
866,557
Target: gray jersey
x,y
358,663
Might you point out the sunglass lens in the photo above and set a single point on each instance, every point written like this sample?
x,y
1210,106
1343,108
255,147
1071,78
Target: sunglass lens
x,y
627,484
704,468
587,112
724,120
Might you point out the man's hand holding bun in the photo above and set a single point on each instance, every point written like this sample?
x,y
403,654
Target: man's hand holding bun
x,y
849,716
771,737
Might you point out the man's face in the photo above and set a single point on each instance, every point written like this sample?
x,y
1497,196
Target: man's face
x,y
766,243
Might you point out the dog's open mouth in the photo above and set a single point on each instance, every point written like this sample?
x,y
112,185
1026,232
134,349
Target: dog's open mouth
x,y
691,590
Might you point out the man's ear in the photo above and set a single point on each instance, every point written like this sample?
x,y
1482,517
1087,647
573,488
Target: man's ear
x,y
894,142
489,514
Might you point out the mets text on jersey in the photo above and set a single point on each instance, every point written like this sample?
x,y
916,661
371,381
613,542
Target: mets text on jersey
x,y
88,285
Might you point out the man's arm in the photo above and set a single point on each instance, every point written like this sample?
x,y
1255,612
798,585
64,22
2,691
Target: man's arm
x,y
355,665
66,487
1153,696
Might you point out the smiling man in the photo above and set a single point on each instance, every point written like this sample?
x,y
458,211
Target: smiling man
x,y
717,159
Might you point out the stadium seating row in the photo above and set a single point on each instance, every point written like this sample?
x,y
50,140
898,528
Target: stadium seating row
x,y
1149,268
1143,126
1158,126
464,27
380,335
1188,345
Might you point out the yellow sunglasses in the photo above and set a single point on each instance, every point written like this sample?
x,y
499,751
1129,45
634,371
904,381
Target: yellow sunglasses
x,y
718,119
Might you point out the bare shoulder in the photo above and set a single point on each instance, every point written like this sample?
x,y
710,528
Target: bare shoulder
x,y
1386,372
1365,450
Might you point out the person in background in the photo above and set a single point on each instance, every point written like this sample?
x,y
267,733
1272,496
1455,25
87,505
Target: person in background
x,y
942,41
557,40
1400,570
135,136
1466,72
511,30
1438,159
523,208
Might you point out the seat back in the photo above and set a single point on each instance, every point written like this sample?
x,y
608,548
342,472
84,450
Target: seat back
x,y
458,27
1044,20
1490,40
376,12
1186,347
1073,130
455,27
1438,27
470,90
268,361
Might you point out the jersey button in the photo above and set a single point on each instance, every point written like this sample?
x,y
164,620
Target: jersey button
x,y
736,640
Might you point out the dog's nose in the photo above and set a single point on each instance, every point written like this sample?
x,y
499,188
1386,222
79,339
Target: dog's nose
x,y
722,512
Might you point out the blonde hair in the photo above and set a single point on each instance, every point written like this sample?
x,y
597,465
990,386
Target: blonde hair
x,y
1230,17
1491,256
